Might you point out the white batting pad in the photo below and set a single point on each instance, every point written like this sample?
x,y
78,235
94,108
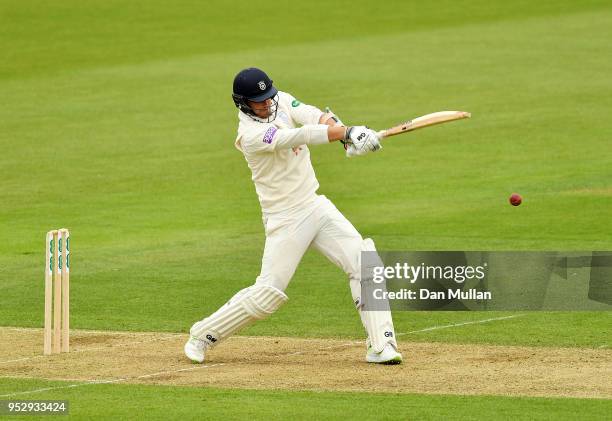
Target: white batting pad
x,y
378,324
250,304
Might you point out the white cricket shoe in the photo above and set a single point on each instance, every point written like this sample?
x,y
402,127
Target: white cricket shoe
x,y
389,355
195,349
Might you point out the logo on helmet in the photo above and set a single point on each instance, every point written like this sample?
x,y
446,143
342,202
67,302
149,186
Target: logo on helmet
x,y
262,85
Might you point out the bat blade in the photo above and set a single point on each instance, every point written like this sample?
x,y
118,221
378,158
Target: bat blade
x,y
425,121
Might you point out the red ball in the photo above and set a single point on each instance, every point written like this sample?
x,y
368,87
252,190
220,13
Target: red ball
x,y
516,199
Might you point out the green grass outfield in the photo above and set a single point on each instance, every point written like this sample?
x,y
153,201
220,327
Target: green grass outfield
x,y
161,402
117,122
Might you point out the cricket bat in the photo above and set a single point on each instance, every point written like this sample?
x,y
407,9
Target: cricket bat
x,y
425,121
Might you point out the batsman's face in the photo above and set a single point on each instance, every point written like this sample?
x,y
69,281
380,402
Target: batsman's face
x,y
262,109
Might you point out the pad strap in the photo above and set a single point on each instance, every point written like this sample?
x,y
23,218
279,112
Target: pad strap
x,y
248,305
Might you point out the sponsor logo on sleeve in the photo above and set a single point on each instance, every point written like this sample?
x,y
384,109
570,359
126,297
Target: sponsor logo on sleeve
x,y
269,135
295,103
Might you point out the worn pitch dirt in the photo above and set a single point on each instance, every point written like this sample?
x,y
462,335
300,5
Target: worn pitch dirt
x,y
312,364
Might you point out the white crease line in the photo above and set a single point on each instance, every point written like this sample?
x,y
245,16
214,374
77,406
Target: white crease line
x,y
20,359
415,331
144,376
47,379
122,344
220,364
97,348
87,331
473,322
174,336
162,338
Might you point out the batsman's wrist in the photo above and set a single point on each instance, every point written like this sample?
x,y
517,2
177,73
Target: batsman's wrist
x,y
347,134
336,133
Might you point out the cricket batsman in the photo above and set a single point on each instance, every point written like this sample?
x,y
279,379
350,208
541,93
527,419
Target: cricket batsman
x,y
275,131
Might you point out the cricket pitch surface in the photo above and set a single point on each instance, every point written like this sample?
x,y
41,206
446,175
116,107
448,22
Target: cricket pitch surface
x,y
311,364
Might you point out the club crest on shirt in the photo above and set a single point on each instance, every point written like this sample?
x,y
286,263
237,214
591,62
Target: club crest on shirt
x,y
269,135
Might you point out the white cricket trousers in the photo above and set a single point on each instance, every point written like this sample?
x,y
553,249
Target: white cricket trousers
x,y
318,224
288,236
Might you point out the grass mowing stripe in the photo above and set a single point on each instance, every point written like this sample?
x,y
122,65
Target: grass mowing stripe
x,y
427,329
154,30
109,381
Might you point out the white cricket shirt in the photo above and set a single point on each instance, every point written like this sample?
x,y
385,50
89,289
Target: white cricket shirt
x,y
277,154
